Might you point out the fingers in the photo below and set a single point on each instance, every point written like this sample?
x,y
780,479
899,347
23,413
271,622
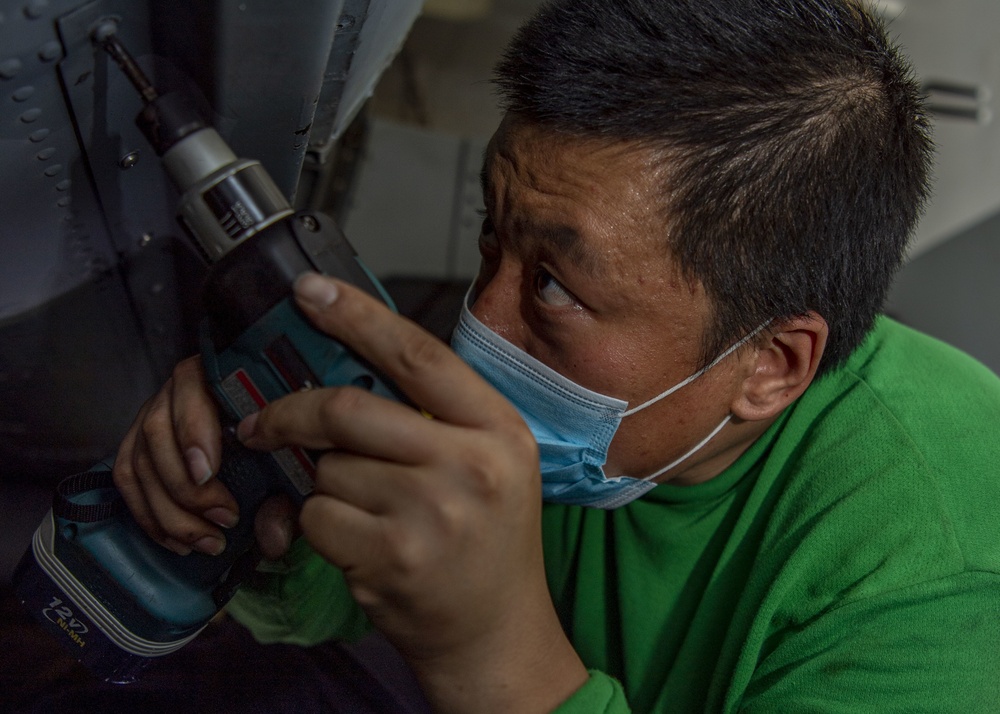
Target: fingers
x,y
426,369
274,526
342,418
154,478
340,532
195,421
379,514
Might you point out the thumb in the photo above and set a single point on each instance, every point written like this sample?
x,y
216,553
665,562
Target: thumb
x,y
275,526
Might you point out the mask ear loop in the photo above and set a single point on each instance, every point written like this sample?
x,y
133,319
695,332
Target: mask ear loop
x,y
691,453
695,376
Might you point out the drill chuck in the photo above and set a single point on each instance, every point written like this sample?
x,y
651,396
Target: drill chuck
x,y
224,200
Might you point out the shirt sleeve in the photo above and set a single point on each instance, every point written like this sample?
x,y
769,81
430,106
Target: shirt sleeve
x,y
300,599
601,694
925,648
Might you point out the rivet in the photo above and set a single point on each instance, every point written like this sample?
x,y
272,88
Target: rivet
x,y
22,93
63,185
45,154
9,68
49,51
53,169
35,9
63,202
38,135
31,115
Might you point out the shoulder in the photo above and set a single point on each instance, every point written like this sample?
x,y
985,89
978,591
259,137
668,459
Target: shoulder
x,y
908,393
889,467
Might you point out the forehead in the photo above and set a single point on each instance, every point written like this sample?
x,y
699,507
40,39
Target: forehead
x,y
554,162
597,199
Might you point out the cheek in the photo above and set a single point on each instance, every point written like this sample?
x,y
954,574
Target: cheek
x,y
657,435
633,369
643,443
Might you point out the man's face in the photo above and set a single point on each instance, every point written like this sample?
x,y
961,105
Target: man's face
x,y
575,271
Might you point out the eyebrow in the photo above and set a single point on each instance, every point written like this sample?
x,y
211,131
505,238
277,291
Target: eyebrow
x,y
560,237
562,240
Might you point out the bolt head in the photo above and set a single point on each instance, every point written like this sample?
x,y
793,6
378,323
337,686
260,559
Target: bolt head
x,y
129,160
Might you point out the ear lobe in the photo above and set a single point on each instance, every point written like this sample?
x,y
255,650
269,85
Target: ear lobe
x,y
783,368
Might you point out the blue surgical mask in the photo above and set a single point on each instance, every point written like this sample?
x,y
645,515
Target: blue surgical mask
x,y
573,425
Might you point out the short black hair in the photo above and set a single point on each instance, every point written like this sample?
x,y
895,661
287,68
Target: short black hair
x,y
794,134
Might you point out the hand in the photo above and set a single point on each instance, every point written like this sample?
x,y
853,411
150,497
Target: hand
x,y
164,470
434,521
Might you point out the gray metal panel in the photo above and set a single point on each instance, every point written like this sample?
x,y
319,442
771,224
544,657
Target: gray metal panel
x,y
259,65
339,65
48,206
98,289
133,193
73,361
384,28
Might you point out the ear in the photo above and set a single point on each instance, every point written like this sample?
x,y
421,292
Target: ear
x,y
781,369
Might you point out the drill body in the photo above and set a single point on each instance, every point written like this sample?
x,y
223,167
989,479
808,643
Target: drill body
x,y
92,577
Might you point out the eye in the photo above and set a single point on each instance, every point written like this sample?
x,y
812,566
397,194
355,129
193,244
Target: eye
x,y
551,290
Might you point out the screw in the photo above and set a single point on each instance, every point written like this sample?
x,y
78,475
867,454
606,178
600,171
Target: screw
x,y
310,223
129,160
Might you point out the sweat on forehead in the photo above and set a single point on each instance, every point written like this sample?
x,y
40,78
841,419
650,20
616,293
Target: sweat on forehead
x,y
577,186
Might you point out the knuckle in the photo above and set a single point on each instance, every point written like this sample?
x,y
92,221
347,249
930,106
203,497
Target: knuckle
x,y
420,352
156,422
408,556
186,368
339,402
485,482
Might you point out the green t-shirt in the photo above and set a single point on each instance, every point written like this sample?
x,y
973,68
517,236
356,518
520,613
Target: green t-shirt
x,y
849,561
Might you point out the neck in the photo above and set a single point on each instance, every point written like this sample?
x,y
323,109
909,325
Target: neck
x,y
719,454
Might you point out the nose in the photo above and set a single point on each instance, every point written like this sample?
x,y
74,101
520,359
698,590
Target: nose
x,y
497,303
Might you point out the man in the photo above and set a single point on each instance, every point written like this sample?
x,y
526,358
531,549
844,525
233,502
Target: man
x,y
761,496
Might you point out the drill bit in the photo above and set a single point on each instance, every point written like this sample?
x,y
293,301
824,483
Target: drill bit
x,y
106,35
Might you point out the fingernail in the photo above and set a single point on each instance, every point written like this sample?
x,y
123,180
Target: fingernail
x,y
197,464
278,539
245,428
283,533
177,546
315,290
210,545
222,517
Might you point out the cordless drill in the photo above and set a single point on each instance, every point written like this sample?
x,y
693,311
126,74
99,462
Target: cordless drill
x,y
92,577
